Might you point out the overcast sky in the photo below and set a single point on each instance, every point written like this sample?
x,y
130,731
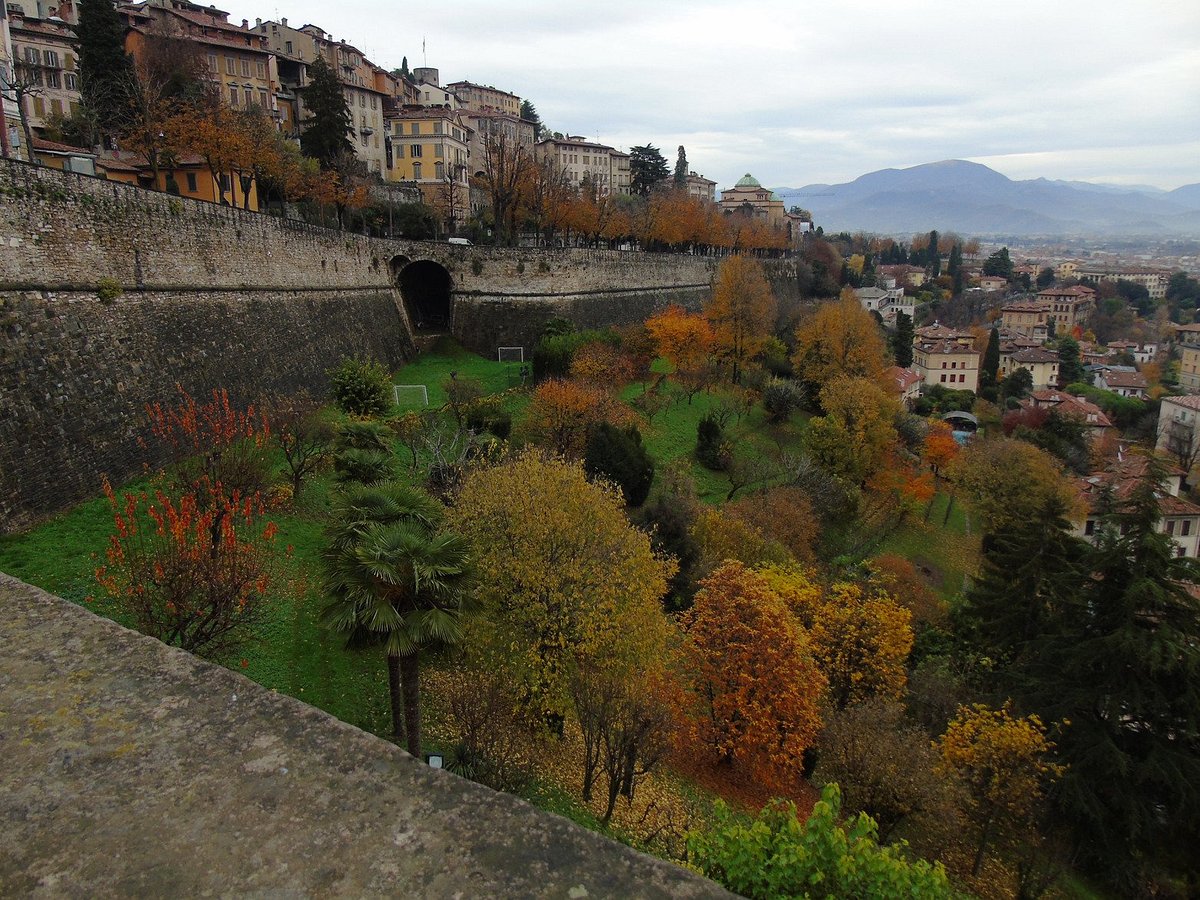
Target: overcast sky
x,y
798,92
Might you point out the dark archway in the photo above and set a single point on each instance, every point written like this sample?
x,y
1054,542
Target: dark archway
x,y
425,287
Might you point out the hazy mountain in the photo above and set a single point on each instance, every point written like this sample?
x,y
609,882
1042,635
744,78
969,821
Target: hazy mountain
x,y
969,197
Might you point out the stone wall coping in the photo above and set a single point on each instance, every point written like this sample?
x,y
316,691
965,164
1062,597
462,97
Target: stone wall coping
x,y
135,769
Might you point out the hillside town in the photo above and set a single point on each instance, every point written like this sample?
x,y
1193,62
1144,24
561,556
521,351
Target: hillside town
x,y
410,434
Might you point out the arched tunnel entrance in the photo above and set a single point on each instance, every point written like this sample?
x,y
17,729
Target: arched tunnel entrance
x,y
425,288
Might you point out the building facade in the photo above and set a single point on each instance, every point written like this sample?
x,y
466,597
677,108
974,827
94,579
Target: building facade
x,y
584,162
1188,339
43,57
1041,364
1151,279
480,97
946,362
429,148
699,186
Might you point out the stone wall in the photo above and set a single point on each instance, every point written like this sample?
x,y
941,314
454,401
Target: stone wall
x,y
133,769
209,296
76,372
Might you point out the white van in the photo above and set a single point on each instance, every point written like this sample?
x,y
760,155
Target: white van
x,y
461,242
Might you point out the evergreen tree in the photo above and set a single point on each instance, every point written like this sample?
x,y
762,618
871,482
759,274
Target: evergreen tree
x,y
999,263
105,69
647,169
991,360
1029,569
325,134
935,260
955,268
1070,369
681,169
1120,660
530,114
1045,278
618,455
902,341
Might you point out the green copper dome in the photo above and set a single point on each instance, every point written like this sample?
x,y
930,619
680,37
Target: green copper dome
x,y
748,180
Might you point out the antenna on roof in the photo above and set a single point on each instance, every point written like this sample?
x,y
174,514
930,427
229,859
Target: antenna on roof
x,y
424,58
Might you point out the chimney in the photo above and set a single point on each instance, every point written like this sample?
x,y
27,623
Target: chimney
x,y
246,24
283,22
257,22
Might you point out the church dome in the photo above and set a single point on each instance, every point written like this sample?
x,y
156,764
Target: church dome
x,y
749,181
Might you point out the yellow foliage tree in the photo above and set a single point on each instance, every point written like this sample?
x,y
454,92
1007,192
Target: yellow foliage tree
x,y
1004,763
852,440
1007,481
742,310
565,580
860,637
720,537
687,341
840,338
755,690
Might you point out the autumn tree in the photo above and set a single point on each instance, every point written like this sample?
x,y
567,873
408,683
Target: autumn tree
x,y
854,436
506,168
755,688
193,569
687,341
940,448
1004,762
784,515
859,636
564,578
985,474
562,413
721,535
742,311
840,338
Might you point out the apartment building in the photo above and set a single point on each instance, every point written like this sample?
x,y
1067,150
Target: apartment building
x,y
489,127
585,162
1068,307
41,53
368,88
429,147
480,97
238,60
952,364
699,186
1188,339
1042,365
1152,280
1179,519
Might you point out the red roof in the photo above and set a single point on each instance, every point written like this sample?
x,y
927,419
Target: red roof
x,y
1125,379
902,379
1188,401
55,147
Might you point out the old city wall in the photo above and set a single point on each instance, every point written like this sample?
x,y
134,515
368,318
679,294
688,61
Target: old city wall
x,y
111,295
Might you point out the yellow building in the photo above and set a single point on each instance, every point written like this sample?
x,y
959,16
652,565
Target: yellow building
x,y
948,362
1041,364
430,148
1028,317
239,62
751,199
1068,307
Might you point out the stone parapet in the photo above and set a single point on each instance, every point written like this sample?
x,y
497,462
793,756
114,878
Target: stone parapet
x,y
133,769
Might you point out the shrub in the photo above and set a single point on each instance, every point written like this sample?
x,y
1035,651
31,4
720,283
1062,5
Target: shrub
x,y
461,395
477,266
781,398
711,449
361,387
364,436
488,415
108,289
777,855
618,454
364,466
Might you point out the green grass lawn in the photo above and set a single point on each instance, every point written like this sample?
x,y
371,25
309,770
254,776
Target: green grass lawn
x,y
433,368
950,552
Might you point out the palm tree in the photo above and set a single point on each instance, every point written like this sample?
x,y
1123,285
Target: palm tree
x,y
395,578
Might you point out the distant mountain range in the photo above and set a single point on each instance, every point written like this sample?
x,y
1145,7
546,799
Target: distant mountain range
x,y
955,195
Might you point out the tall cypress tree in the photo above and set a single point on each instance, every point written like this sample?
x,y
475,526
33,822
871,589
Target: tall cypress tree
x,y
991,360
902,346
681,169
329,122
935,261
105,69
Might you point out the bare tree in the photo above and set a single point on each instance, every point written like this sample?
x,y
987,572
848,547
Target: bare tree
x,y
506,166
16,90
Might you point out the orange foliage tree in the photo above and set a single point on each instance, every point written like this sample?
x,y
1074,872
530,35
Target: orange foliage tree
x,y
742,311
562,412
687,341
754,688
940,448
784,515
602,363
840,338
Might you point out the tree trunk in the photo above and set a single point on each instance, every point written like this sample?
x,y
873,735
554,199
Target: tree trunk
x,y
984,836
25,127
394,691
410,678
